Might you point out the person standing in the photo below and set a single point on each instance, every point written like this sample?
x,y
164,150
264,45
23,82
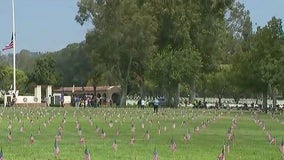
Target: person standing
x,y
143,103
156,105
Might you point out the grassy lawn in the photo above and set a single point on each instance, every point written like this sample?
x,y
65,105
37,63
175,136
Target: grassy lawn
x,y
250,141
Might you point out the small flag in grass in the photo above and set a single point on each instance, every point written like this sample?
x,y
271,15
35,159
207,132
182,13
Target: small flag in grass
x,y
32,139
114,145
38,131
9,136
103,134
173,145
1,154
155,155
222,155
87,154
22,129
82,140
56,149
281,148
132,140
147,135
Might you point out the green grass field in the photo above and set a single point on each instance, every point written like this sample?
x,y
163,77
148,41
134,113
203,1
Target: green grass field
x,y
250,141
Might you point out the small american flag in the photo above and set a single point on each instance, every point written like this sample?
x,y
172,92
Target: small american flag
x,y
147,135
32,139
38,131
82,140
103,134
174,125
133,128
228,147
117,132
173,145
222,155
10,45
196,129
114,145
10,125
1,155
80,131
56,149
9,136
22,129
110,124
97,128
155,155
186,136
87,154
281,148
132,140
142,125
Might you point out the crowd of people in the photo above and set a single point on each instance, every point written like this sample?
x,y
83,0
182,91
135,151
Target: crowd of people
x,y
90,101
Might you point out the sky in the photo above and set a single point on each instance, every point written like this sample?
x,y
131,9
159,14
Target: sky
x,y
49,25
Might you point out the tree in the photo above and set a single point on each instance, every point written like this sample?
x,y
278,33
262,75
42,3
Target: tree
x,y
261,68
44,72
6,79
73,64
123,35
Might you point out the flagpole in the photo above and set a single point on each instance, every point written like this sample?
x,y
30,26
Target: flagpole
x,y
14,48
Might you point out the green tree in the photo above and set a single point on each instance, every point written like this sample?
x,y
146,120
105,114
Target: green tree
x,y
44,72
6,79
261,69
123,35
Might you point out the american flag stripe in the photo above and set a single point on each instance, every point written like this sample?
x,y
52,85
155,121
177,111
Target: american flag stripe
x,y
10,45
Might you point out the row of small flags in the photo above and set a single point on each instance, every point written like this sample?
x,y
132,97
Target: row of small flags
x,y
230,139
270,138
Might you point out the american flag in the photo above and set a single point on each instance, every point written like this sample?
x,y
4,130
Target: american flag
x,y
10,45
80,131
10,125
32,139
82,140
281,148
155,155
103,134
228,146
1,155
222,155
114,145
117,132
132,140
38,131
87,154
56,149
22,129
9,136
173,145
147,135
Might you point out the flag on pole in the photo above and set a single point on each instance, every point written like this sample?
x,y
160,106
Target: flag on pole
x,y
10,45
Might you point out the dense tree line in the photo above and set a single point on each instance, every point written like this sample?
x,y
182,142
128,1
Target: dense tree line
x,y
168,48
